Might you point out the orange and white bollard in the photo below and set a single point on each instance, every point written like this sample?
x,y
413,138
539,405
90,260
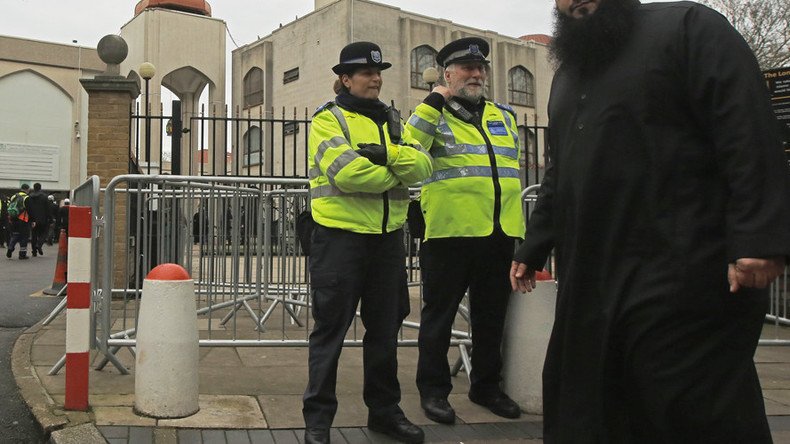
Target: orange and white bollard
x,y
78,303
166,366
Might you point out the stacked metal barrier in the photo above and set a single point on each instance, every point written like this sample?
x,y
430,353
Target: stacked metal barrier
x,y
237,238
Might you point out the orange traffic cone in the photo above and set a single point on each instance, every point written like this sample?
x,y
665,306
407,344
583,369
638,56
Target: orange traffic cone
x,y
59,281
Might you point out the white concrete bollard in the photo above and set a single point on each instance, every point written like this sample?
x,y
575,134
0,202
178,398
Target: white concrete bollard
x,y
166,366
528,325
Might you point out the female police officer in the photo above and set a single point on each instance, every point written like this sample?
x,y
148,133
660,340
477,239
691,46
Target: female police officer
x,y
360,167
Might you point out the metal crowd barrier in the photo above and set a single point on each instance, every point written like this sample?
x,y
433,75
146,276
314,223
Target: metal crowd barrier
x,y
237,238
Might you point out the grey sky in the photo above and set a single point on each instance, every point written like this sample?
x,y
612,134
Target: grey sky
x,y
88,20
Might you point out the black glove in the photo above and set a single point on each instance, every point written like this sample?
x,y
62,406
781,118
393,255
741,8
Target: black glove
x,y
373,152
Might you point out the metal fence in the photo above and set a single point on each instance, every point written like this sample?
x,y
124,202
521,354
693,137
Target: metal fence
x,y
237,238
259,142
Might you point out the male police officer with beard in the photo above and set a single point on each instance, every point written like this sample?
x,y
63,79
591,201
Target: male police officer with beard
x,y
666,201
472,209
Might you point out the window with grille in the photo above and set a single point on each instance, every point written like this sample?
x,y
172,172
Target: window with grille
x,y
291,75
422,57
521,87
253,88
252,146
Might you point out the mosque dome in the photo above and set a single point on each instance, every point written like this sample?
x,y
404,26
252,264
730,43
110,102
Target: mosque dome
x,y
192,6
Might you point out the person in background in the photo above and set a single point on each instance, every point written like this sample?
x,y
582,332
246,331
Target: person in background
x,y
53,233
472,207
361,164
3,220
38,207
18,223
63,216
666,199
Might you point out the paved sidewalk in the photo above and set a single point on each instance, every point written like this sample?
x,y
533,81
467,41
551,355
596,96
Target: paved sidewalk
x,y
251,395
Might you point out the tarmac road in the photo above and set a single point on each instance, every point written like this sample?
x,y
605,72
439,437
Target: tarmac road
x,y
18,311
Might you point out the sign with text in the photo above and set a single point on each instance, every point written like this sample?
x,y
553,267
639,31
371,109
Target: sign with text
x,y
778,82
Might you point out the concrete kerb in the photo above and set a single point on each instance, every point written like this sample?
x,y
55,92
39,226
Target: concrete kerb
x,y
49,416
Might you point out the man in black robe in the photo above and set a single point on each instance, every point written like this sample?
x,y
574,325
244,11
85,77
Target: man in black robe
x,y
666,200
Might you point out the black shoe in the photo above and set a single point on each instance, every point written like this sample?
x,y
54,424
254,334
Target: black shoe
x,y
35,253
398,427
499,404
315,435
23,257
438,409
40,251
9,253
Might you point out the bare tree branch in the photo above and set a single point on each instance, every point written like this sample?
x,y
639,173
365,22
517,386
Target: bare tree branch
x,y
764,24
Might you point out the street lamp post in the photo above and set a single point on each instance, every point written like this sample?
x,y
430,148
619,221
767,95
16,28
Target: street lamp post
x,y
147,71
430,76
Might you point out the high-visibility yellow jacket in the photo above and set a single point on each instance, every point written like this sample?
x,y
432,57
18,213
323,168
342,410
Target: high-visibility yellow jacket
x,y
347,190
475,183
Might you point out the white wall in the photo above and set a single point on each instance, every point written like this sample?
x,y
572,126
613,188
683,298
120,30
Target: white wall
x,y
36,132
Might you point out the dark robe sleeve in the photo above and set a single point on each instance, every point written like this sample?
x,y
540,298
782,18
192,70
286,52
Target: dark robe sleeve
x,y
539,240
729,100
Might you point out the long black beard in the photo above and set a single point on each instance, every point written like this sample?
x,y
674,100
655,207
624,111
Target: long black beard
x,y
588,44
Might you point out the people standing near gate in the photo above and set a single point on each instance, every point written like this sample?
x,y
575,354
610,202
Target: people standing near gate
x,y
18,223
473,216
63,216
3,220
360,167
52,232
666,200
38,208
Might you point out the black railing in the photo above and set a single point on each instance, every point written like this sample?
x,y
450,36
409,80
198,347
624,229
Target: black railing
x,y
255,143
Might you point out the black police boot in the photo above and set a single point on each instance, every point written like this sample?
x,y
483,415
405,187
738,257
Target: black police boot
x,y
438,409
9,253
316,435
499,403
396,426
23,255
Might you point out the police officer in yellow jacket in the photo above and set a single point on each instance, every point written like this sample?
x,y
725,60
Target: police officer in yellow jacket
x,y
473,215
361,163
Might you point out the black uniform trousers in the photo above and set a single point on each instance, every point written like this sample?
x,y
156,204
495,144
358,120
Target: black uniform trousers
x,y
346,268
39,235
20,233
449,267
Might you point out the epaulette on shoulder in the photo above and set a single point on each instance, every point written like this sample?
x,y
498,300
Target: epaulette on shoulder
x,y
326,105
507,108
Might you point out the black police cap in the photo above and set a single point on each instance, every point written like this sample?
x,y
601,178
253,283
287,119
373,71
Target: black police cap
x,y
359,54
467,49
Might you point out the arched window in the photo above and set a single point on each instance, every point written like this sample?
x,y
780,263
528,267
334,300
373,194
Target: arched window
x,y
521,87
421,57
252,146
253,88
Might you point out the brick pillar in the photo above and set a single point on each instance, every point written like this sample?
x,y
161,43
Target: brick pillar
x,y
109,140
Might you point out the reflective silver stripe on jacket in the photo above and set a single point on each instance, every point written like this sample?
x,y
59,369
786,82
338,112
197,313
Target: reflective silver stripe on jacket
x,y
471,171
325,145
422,124
339,163
333,191
341,119
507,122
465,148
446,131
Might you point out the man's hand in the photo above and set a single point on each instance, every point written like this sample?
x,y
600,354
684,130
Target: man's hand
x,y
754,273
443,90
373,152
522,278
